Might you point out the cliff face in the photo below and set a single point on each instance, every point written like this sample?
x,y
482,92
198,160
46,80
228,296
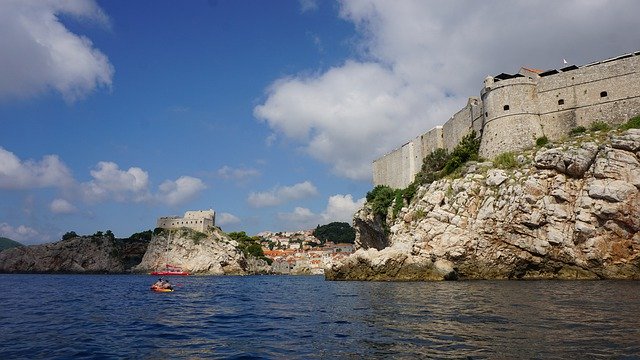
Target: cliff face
x,y
85,254
565,212
215,254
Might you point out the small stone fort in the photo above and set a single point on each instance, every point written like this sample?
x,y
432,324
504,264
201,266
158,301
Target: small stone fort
x,y
514,110
199,220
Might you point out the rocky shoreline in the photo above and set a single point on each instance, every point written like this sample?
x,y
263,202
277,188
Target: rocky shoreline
x,y
570,211
197,253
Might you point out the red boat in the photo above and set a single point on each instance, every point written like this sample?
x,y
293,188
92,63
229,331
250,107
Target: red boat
x,y
170,270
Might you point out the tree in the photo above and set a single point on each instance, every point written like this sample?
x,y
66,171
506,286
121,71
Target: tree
x,y
338,232
69,235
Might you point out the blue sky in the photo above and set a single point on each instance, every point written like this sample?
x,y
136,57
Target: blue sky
x,y
114,113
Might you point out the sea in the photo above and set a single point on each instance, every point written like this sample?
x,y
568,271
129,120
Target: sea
x,y
306,317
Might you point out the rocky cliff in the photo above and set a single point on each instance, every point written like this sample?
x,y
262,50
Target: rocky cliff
x,y
83,254
212,254
570,211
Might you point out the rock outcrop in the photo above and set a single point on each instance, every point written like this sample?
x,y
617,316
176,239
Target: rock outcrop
x,y
570,212
83,254
213,254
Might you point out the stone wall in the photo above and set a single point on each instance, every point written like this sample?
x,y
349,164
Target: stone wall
x,y
199,220
515,110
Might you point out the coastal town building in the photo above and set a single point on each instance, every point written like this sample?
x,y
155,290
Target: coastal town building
x,y
300,252
199,220
514,110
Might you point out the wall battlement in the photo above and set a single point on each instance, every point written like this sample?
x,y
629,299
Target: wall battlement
x,y
514,110
199,220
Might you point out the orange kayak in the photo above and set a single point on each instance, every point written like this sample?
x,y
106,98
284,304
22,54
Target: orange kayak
x,y
158,289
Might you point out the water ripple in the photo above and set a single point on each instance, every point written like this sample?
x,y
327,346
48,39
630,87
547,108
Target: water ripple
x,y
269,317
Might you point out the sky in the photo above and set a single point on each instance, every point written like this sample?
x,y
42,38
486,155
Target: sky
x,y
114,113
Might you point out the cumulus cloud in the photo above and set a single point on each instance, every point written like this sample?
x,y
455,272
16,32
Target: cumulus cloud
x,y
20,233
61,206
339,208
420,60
111,182
18,174
40,53
181,190
226,219
229,173
282,194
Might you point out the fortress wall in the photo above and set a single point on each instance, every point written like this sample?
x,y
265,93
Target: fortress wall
x,y
551,106
388,169
477,115
511,117
580,91
457,127
431,140
199,220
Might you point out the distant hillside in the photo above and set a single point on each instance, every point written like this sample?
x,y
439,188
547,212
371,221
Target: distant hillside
x,y
8,243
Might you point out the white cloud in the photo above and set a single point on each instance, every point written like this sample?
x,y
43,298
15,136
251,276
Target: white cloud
x,y
280,195
339,208
40,53
308,5
20,233
111,182
17,174
61,206
226,219
229,173
422,59
180,191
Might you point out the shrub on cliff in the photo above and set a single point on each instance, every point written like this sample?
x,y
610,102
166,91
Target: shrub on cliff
x,y
633,123
506,161
249,245
69,235
144,235
599,126
380,199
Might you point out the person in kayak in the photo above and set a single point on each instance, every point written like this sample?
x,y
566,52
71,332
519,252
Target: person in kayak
x,y
162,284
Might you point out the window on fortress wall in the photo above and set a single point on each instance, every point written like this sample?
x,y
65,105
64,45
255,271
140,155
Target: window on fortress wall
x,y
506,107
561,102
603,94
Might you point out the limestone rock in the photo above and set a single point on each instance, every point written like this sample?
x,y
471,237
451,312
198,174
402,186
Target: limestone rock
x,y
215,254
83,254
570,213
629,141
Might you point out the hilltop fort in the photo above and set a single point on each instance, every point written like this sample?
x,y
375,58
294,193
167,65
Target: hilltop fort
x,y
514,110
199,220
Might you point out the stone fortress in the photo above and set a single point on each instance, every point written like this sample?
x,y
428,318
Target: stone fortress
x,y
199,220
514,110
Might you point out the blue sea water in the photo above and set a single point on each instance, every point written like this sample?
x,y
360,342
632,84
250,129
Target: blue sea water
x,y
285,317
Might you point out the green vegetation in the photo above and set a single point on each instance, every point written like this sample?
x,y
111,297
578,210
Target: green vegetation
x,y
599,126
506,161
542,141
380,199
156,231
6,243
338,232
633,123
69,235
144,235
250,246
197,236
438,164
577,131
